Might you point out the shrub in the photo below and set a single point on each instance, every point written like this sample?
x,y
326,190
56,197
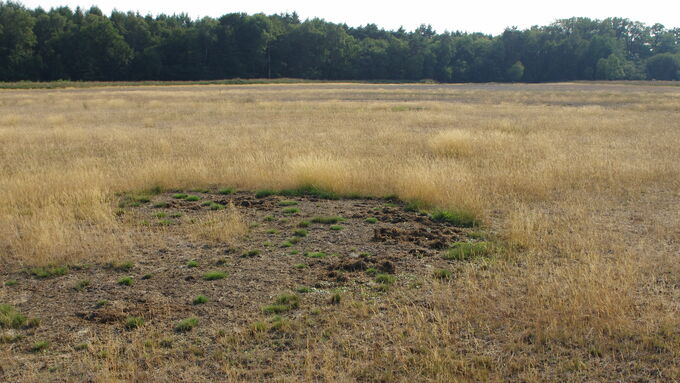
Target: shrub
x,y
335,299
10,318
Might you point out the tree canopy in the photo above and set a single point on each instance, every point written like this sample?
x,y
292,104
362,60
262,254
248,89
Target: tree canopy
x,y
65,44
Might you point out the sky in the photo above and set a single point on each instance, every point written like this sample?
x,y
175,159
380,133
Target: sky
x,y
487,16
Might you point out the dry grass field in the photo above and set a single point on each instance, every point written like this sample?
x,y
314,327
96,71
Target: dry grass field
x,y
575,190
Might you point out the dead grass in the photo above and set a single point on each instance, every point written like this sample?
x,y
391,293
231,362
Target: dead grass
x,y
583,187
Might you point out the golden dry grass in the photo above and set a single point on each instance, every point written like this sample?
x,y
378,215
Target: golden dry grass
x,y
584,187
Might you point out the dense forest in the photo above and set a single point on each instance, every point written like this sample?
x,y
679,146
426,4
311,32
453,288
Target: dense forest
x,y
65,44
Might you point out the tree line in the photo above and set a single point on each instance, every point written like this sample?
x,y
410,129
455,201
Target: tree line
x,y
65,44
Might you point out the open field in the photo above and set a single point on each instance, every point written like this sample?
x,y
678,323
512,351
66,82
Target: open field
x,y
116,217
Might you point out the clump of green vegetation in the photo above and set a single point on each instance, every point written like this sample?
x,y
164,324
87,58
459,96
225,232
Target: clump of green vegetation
x,y
161,205
371,271
300,233
294,252
192,264
101,303
476,235
465,251
443,274
250,253
264,193
327,220
460,218
49,271
226,191
121,266
175,215
318,254
308,190
283,303
303,224
272,231
81,285
364,255
125,281
414,205
258,327
180,196
335,299
199,300
186,325
39,346
134,200
132,323
303,290
300,266
288,203
269,218
161,215
147,276
290,210
385,279
286,244
371,220
215,206
11,283
165,222
81,347
10,318
214,275
192,198
336,227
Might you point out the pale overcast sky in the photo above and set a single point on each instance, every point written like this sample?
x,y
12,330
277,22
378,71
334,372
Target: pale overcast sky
x,y
488,16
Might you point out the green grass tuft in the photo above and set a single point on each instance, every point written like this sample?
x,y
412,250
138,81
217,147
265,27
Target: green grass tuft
x,y
250,254
283,303
335,299
385,279
125,281
465,251
186,325
459,218
49,271
290,210
371,220
327,220
226,191
180,196
318,254
40,346
199,300
264,193
132,323
214,275
336,227
81,285
300,233
442,274
288,203
192,198
192,264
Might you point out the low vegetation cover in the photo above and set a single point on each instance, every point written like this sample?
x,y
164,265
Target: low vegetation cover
x,y
487,233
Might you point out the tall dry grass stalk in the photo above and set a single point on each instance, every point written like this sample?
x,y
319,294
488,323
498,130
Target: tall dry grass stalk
x,y
583,186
